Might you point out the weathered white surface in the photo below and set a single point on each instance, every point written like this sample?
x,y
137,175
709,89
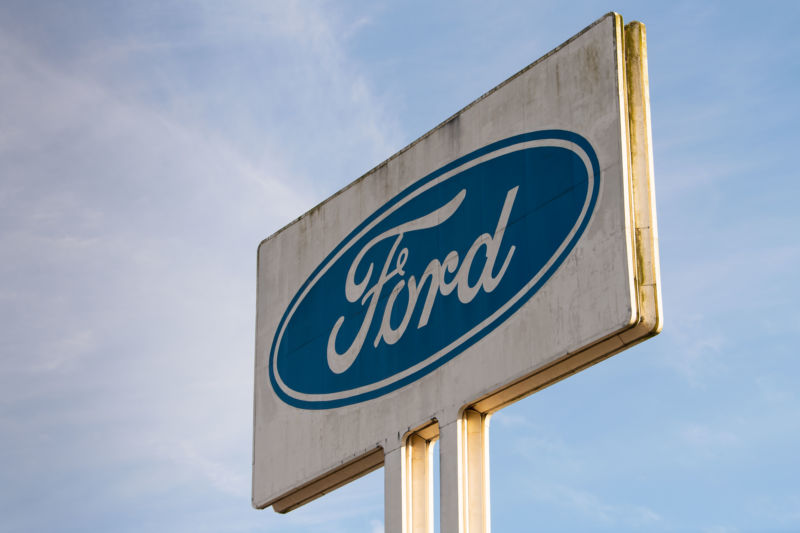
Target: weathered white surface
x,y
592,296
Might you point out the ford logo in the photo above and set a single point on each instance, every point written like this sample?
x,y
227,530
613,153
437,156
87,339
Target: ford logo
x,y
434,270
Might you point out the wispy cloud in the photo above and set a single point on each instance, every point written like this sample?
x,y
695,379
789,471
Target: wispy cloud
x,y
699,349
130,219
720,529
708,438
594,508
509,420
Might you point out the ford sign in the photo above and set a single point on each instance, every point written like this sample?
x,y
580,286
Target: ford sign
x,y
506,249
434,270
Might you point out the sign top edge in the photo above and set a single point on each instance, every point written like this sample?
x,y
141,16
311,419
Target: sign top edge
x,y
610,14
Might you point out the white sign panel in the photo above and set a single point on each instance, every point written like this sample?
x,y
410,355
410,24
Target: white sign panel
x,y
509,247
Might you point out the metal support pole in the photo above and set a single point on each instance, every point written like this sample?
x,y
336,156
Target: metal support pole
x,y
408,490
464,477
476,430
394,490
419,483
451,501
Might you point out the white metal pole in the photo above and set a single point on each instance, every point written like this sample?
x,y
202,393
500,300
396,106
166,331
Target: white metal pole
x,y
419,485
394,489
451,501
464,474
476,477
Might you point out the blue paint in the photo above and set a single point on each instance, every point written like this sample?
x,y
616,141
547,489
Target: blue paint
x,y
551,186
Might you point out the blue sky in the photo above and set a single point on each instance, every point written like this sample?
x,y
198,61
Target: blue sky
x,y
146,148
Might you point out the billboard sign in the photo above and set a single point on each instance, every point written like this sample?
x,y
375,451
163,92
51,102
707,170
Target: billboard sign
x,y
509,247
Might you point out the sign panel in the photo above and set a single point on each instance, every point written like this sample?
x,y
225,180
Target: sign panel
x,y
509,247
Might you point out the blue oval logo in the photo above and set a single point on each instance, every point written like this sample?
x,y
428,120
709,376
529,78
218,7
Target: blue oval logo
x,y
434,270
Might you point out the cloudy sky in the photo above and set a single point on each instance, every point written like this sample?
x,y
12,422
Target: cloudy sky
x,y
146,148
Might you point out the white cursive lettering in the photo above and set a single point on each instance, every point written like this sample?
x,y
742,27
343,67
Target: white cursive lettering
x,y
434,275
